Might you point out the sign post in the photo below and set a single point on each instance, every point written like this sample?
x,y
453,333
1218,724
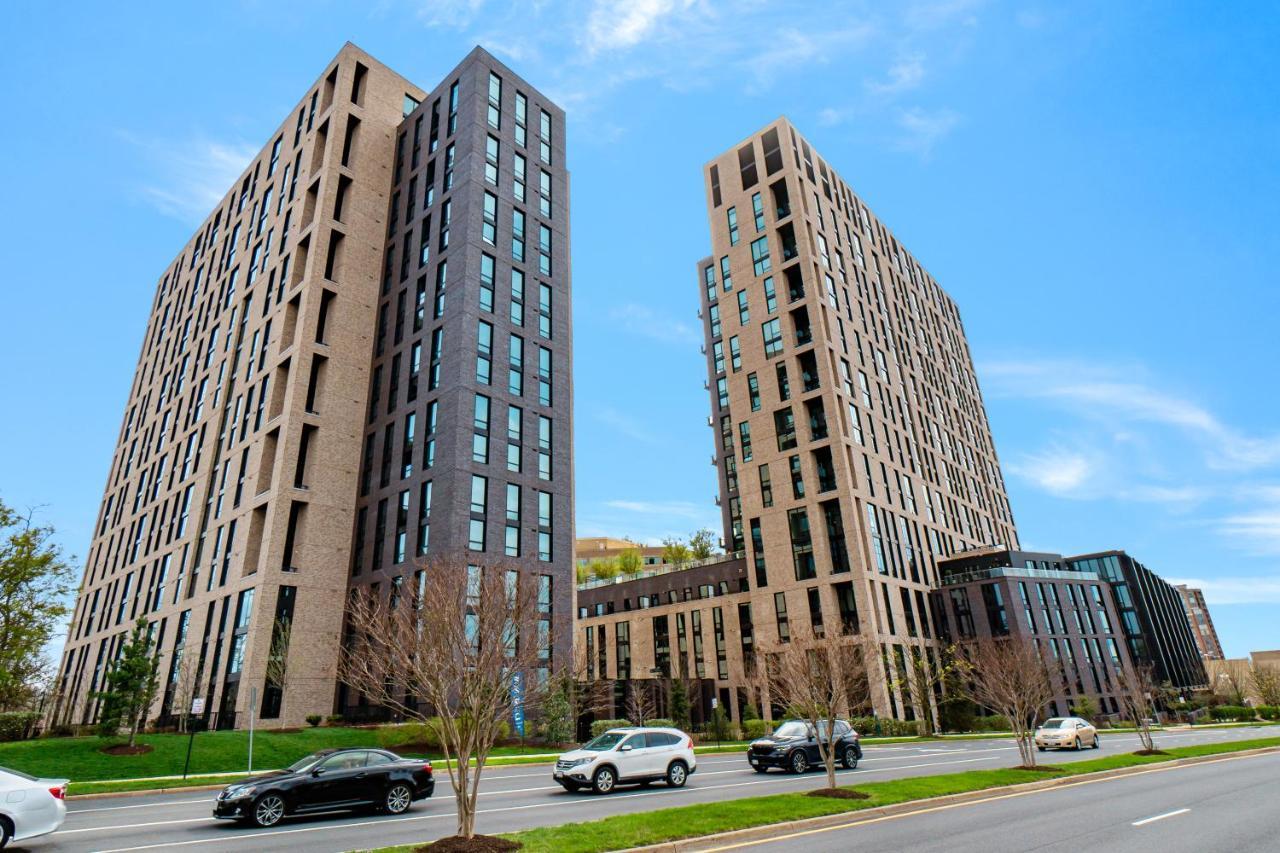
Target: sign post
x,y
197,709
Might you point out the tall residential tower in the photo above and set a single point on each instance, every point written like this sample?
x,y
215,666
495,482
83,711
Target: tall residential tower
x,y
371,326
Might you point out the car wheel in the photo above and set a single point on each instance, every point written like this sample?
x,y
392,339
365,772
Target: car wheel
x,y
268,810
604,780
1041,748
1078,747
677,774
799,763
398,799
850,759
6,832
1096,740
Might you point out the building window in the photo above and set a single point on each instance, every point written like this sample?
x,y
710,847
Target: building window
x,y
760,255
479,510
772,332
732,216
484,352
489,216
780,611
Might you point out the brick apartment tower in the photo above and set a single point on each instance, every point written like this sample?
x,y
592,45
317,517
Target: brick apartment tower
x,y
851,439
306,392
1206,636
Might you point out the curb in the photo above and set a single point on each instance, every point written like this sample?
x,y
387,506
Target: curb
x,y
852,818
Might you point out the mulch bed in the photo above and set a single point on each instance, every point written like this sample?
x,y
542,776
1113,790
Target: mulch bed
x,y
475,844
125,749
1151,752
838,794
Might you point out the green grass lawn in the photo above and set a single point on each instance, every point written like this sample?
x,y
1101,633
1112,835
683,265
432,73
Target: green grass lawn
x,y
633,830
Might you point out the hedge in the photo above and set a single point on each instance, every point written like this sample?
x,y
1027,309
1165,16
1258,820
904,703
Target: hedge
x,y
599,727
17,725
1268,712
1233,712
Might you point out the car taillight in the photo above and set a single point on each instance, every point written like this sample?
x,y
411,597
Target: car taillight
x,y
426,767
59,792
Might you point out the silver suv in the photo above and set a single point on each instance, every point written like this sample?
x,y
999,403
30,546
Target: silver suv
x,y
626,756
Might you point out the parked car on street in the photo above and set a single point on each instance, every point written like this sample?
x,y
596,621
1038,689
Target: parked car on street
x,y
634,755
1066,732
329,780
29,806
793,747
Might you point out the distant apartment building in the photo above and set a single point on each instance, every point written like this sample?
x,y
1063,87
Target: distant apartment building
x,y
1153,620
1206,636
593,548
362,357
1068,613
851,439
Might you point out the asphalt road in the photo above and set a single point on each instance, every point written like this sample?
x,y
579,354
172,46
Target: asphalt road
x,y
1228,804
519,797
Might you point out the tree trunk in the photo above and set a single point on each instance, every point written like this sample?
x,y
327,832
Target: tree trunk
x,y
831,765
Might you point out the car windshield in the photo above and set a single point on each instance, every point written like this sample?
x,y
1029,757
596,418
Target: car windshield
x,y
792,729
305,763
608,740
18,773
1054,724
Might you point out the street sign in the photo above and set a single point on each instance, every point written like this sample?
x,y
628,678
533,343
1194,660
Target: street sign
x,y
197,706
517,703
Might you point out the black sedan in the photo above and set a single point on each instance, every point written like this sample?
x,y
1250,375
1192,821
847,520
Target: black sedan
x,y
794,747
329,780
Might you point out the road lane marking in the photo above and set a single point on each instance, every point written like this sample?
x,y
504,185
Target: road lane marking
x,y
947,807
1148,820
71,812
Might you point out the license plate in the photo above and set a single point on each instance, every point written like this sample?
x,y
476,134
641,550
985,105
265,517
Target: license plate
x,y
559,775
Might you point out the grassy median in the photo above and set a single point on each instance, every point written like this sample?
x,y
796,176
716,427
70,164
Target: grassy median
x,y
653,827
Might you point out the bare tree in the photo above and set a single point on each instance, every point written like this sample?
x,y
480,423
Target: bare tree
x,y
277,674
1007,675
640,703
449,659
1232,681
820,678
1265,680
1137,690
924,679
184,688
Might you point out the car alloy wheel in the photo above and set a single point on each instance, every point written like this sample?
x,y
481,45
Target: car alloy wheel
x,y
268,810
677,774
603,781
850,758
398,799
1096,740
5,833
799,763
1078,747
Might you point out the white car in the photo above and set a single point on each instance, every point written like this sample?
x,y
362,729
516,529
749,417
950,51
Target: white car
x,y
29,806
626,756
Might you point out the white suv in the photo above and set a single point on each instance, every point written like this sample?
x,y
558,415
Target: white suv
x,y
629,755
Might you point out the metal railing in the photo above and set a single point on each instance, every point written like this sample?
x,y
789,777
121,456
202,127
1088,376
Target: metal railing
x,y
662,569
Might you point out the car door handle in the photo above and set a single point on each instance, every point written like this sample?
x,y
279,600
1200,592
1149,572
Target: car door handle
x,y
360,775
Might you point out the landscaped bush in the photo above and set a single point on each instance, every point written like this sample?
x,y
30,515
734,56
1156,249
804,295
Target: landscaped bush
x,y
993,723
17,725
1268,712
335,719
599,727
882,727
60,730
753,729
313,720
1232,713
661,723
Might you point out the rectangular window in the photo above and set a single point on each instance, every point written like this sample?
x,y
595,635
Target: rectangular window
x,y
489,227
780,611
544,376
732,216
744,315
757,209
766,486
753,389
492,153
760,255
772,333
486,282
484,351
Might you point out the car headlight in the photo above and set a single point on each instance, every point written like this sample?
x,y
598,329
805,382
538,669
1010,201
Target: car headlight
x,y
241,793
577,762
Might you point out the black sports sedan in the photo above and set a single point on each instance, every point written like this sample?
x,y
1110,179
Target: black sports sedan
x,y
329,780
794,747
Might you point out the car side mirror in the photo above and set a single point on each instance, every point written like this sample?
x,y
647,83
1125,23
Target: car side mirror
x,y
626,748
317,771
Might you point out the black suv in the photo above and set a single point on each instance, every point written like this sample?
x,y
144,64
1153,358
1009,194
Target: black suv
x,y
793,746
329,780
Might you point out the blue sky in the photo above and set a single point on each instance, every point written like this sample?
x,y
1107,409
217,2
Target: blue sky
x,y
1094,183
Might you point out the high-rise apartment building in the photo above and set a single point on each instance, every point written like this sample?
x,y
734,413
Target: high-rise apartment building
x,y
1206,636
361,358
851,438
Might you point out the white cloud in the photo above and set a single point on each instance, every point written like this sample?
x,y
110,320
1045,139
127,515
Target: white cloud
x,y
1058,471
629,425
642,320
1257,528
906,73
620,24
449,13
1236,590
923,129
188,178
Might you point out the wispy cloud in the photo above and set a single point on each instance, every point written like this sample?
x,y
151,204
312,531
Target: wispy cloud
x,y
907,73
1055,470
923,129
187,178
629,425
642,320
449,13
1236,590
614,24
670,509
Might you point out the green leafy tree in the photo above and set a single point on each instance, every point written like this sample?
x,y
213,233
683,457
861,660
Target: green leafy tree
x,y
131,685
675,552
630,562
680,704
34,583
702,544
604,569
1085,707
557,712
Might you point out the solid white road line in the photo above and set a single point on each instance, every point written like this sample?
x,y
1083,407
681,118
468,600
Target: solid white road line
x,y
1148,820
